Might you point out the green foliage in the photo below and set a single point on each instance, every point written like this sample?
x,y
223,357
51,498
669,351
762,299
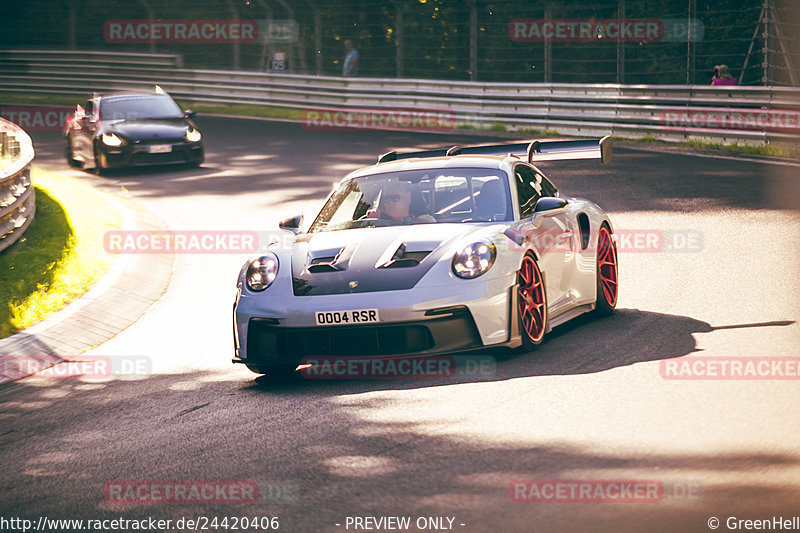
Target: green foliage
x,y
435,34
61,254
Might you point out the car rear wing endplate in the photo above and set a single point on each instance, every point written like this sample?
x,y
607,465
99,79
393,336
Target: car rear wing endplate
x,y
533,150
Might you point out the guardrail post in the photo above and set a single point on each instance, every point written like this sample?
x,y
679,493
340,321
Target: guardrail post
x,y
620,44
317,36
150,16
235,17
473,40
690,46
265,63
292,47
398,11
72,24
548,51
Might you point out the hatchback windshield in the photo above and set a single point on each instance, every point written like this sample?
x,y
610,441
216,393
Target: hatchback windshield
x,y
138,107
417,197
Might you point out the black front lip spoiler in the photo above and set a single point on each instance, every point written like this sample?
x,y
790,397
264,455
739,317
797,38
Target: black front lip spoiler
x,y
482,348
452,328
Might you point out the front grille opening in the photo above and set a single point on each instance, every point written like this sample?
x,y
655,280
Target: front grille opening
x,y
382,340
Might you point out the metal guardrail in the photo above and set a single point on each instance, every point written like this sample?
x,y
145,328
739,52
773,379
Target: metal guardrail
x,y
573,109
17,199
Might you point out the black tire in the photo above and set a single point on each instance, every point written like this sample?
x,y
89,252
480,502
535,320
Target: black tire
x,y
607,273
97,168
531,303
68,152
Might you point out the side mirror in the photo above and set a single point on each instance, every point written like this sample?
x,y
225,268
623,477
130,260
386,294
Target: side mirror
x,y
190,114
291,224
547,204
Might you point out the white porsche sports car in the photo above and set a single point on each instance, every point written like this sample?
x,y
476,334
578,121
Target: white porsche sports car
x,y
428,253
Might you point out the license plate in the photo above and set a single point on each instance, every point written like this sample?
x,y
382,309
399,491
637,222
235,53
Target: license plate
x,y
339,318
159,148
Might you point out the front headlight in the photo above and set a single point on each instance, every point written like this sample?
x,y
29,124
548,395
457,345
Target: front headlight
x,y
111,139
474,259
193,135
262,272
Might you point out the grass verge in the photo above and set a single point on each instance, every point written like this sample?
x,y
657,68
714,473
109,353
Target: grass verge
x,y
61,254
769,150
245,110
746,149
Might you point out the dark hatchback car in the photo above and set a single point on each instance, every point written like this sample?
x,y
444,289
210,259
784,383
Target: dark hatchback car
x,y
130,129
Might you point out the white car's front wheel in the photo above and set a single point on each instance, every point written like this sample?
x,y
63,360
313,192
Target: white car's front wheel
x,y
531,303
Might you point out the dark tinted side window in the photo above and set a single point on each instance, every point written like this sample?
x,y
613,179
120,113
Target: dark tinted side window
x,y
548,189
531,186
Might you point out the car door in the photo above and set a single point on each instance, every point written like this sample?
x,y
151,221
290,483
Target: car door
x,y
550,234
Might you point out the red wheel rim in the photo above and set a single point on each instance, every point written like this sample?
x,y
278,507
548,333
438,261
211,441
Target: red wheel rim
x,y
607,266
531,301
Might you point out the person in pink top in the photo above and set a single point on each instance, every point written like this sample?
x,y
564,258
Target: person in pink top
x,y
722,76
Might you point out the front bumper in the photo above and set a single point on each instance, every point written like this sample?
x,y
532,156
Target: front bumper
x,y
451,330
272,328
138,154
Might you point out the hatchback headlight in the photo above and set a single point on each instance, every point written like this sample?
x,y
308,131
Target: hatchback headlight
x,y
262,272
193,135
111,139
474,259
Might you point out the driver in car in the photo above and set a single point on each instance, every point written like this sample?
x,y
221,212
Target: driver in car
x,y
395,206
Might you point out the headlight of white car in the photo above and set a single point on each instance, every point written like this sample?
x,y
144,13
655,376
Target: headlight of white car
x,y
111,139
474,259
193,135
262,272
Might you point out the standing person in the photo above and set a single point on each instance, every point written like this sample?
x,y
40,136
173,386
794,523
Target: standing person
x,y
350,59
722,76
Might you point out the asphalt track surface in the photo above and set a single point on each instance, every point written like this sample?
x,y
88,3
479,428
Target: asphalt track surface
x,y
590,404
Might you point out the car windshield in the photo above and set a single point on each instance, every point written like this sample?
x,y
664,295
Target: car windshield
x,y
417,197
139,106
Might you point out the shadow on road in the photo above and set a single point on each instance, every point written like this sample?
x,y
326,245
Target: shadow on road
x,y
349,457
582,346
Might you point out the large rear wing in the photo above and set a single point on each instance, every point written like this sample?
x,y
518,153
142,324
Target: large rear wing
x,y
532,150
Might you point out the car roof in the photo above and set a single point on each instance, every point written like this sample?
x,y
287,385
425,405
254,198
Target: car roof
x,y
125,94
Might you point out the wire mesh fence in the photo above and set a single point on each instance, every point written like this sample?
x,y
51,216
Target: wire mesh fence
x,y
566,41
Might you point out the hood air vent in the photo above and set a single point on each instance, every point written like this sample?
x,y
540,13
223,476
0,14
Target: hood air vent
x,y
403,258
